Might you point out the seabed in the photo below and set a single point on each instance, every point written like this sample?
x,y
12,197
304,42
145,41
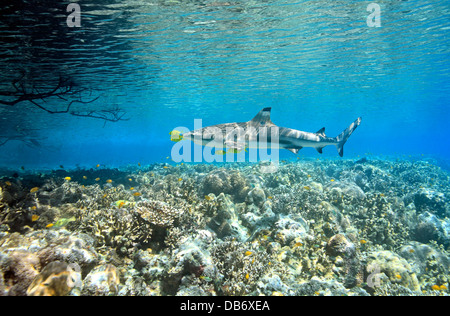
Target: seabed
x,y
314,227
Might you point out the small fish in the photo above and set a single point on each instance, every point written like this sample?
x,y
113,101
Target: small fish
x,y
270,197
236,151
131,189
411,250
34,190
49,225
175,136
23,168
61,166
435,287
139,164
137,194
298,244
307,187
166,167
123,203
398,276
220,152
363,241
129,179
109,181
33,208
67,178
180,179
8,183
84,177
34,217
105,195
248,253
63,222
247,276
332,180
97,179
309,176
208,198
205,278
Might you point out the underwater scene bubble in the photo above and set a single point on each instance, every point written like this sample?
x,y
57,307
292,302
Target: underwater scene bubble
x,y
196,148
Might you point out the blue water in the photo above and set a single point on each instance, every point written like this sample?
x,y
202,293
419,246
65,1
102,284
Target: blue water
x,y
166,63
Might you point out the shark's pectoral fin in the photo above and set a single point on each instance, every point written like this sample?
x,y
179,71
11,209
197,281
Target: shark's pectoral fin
x,y
319,149
321,132
294,150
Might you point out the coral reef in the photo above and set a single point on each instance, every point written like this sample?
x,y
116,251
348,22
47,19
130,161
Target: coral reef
x,y
240,266
103,280
56,279
322,227
228,182
390,268
19,268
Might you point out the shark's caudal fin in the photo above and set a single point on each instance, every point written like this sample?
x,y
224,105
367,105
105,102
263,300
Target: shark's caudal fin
x,y
342,138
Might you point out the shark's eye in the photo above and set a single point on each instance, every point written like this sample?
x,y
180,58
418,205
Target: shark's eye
x,y
262,123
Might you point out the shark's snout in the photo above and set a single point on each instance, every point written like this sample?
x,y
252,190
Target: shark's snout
x,y
188,135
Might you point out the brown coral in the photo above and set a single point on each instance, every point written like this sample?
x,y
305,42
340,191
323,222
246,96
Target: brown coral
x,y
226,181
19,270
56,279
339,245
157,213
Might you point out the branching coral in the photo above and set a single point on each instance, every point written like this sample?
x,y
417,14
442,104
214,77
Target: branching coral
x,y
157,213
240,265
121,229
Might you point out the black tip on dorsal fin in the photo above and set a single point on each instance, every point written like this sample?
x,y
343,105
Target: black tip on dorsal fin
x,y
321,131
263,117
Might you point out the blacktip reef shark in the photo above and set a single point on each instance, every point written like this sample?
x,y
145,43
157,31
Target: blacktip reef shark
x,y
260,132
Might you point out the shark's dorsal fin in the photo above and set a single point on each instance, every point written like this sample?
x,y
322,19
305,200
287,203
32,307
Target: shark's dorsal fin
x,y
262,118
321,132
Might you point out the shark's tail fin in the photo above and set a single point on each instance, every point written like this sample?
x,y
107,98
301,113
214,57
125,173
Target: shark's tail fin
x,y
342,138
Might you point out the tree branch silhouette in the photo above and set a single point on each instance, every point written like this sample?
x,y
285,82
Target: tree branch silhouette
x,y
64,90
